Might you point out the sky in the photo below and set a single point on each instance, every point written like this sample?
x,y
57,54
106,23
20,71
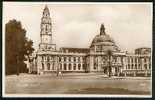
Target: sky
x,y
76,24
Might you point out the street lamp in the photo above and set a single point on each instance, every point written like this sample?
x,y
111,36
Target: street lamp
x,y
57,66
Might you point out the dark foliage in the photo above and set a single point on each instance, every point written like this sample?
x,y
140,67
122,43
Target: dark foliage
x,y
17,47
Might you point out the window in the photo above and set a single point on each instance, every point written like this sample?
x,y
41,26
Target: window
x,y
75,59
145,66
48,58
60,66
42,58
48,66
114,59
53,66
135,60
74,66
128,60
61,58
51,58
83,66
70,66
132,66
79,59
83,59
144,59
69,58
139,66
132,60
79,66
135,66
64,58
64,66
128,66
42,66
149,66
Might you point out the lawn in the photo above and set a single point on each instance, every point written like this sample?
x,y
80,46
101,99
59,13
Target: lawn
x,y
75,84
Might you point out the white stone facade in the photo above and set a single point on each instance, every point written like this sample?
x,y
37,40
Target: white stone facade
x,y
93,59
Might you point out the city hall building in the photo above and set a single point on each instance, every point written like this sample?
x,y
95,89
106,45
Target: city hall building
x,y
103,56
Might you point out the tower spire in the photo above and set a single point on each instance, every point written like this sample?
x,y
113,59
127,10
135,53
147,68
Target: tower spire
x,y
46,12
102,30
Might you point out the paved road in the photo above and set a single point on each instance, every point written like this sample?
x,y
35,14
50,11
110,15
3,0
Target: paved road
x,y
75,84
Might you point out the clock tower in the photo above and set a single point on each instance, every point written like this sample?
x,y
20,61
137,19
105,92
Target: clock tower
x,y
46,32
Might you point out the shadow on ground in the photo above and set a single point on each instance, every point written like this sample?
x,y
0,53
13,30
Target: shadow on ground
x,y
107,90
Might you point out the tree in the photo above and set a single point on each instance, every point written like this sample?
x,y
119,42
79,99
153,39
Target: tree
x,y
109,55
16,48
28,48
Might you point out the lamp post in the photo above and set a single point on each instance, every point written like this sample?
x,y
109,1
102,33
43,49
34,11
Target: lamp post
x,y
57,66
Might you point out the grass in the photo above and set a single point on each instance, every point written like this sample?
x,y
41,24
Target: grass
x,y
68,84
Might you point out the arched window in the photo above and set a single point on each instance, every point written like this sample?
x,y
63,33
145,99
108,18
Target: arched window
x,y
48,66
79,66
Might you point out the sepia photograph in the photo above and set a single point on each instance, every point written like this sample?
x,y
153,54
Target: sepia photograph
x,y
73,49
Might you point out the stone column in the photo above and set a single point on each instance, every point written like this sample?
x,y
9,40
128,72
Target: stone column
x,y
125,74
91,65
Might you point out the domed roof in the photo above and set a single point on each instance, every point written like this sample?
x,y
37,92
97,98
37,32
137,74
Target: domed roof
x,y
104,41
102,38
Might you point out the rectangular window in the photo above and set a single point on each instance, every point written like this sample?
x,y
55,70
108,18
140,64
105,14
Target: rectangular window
x,y
65,67
74,67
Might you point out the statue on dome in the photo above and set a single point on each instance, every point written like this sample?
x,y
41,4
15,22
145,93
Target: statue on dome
x,y
102,30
